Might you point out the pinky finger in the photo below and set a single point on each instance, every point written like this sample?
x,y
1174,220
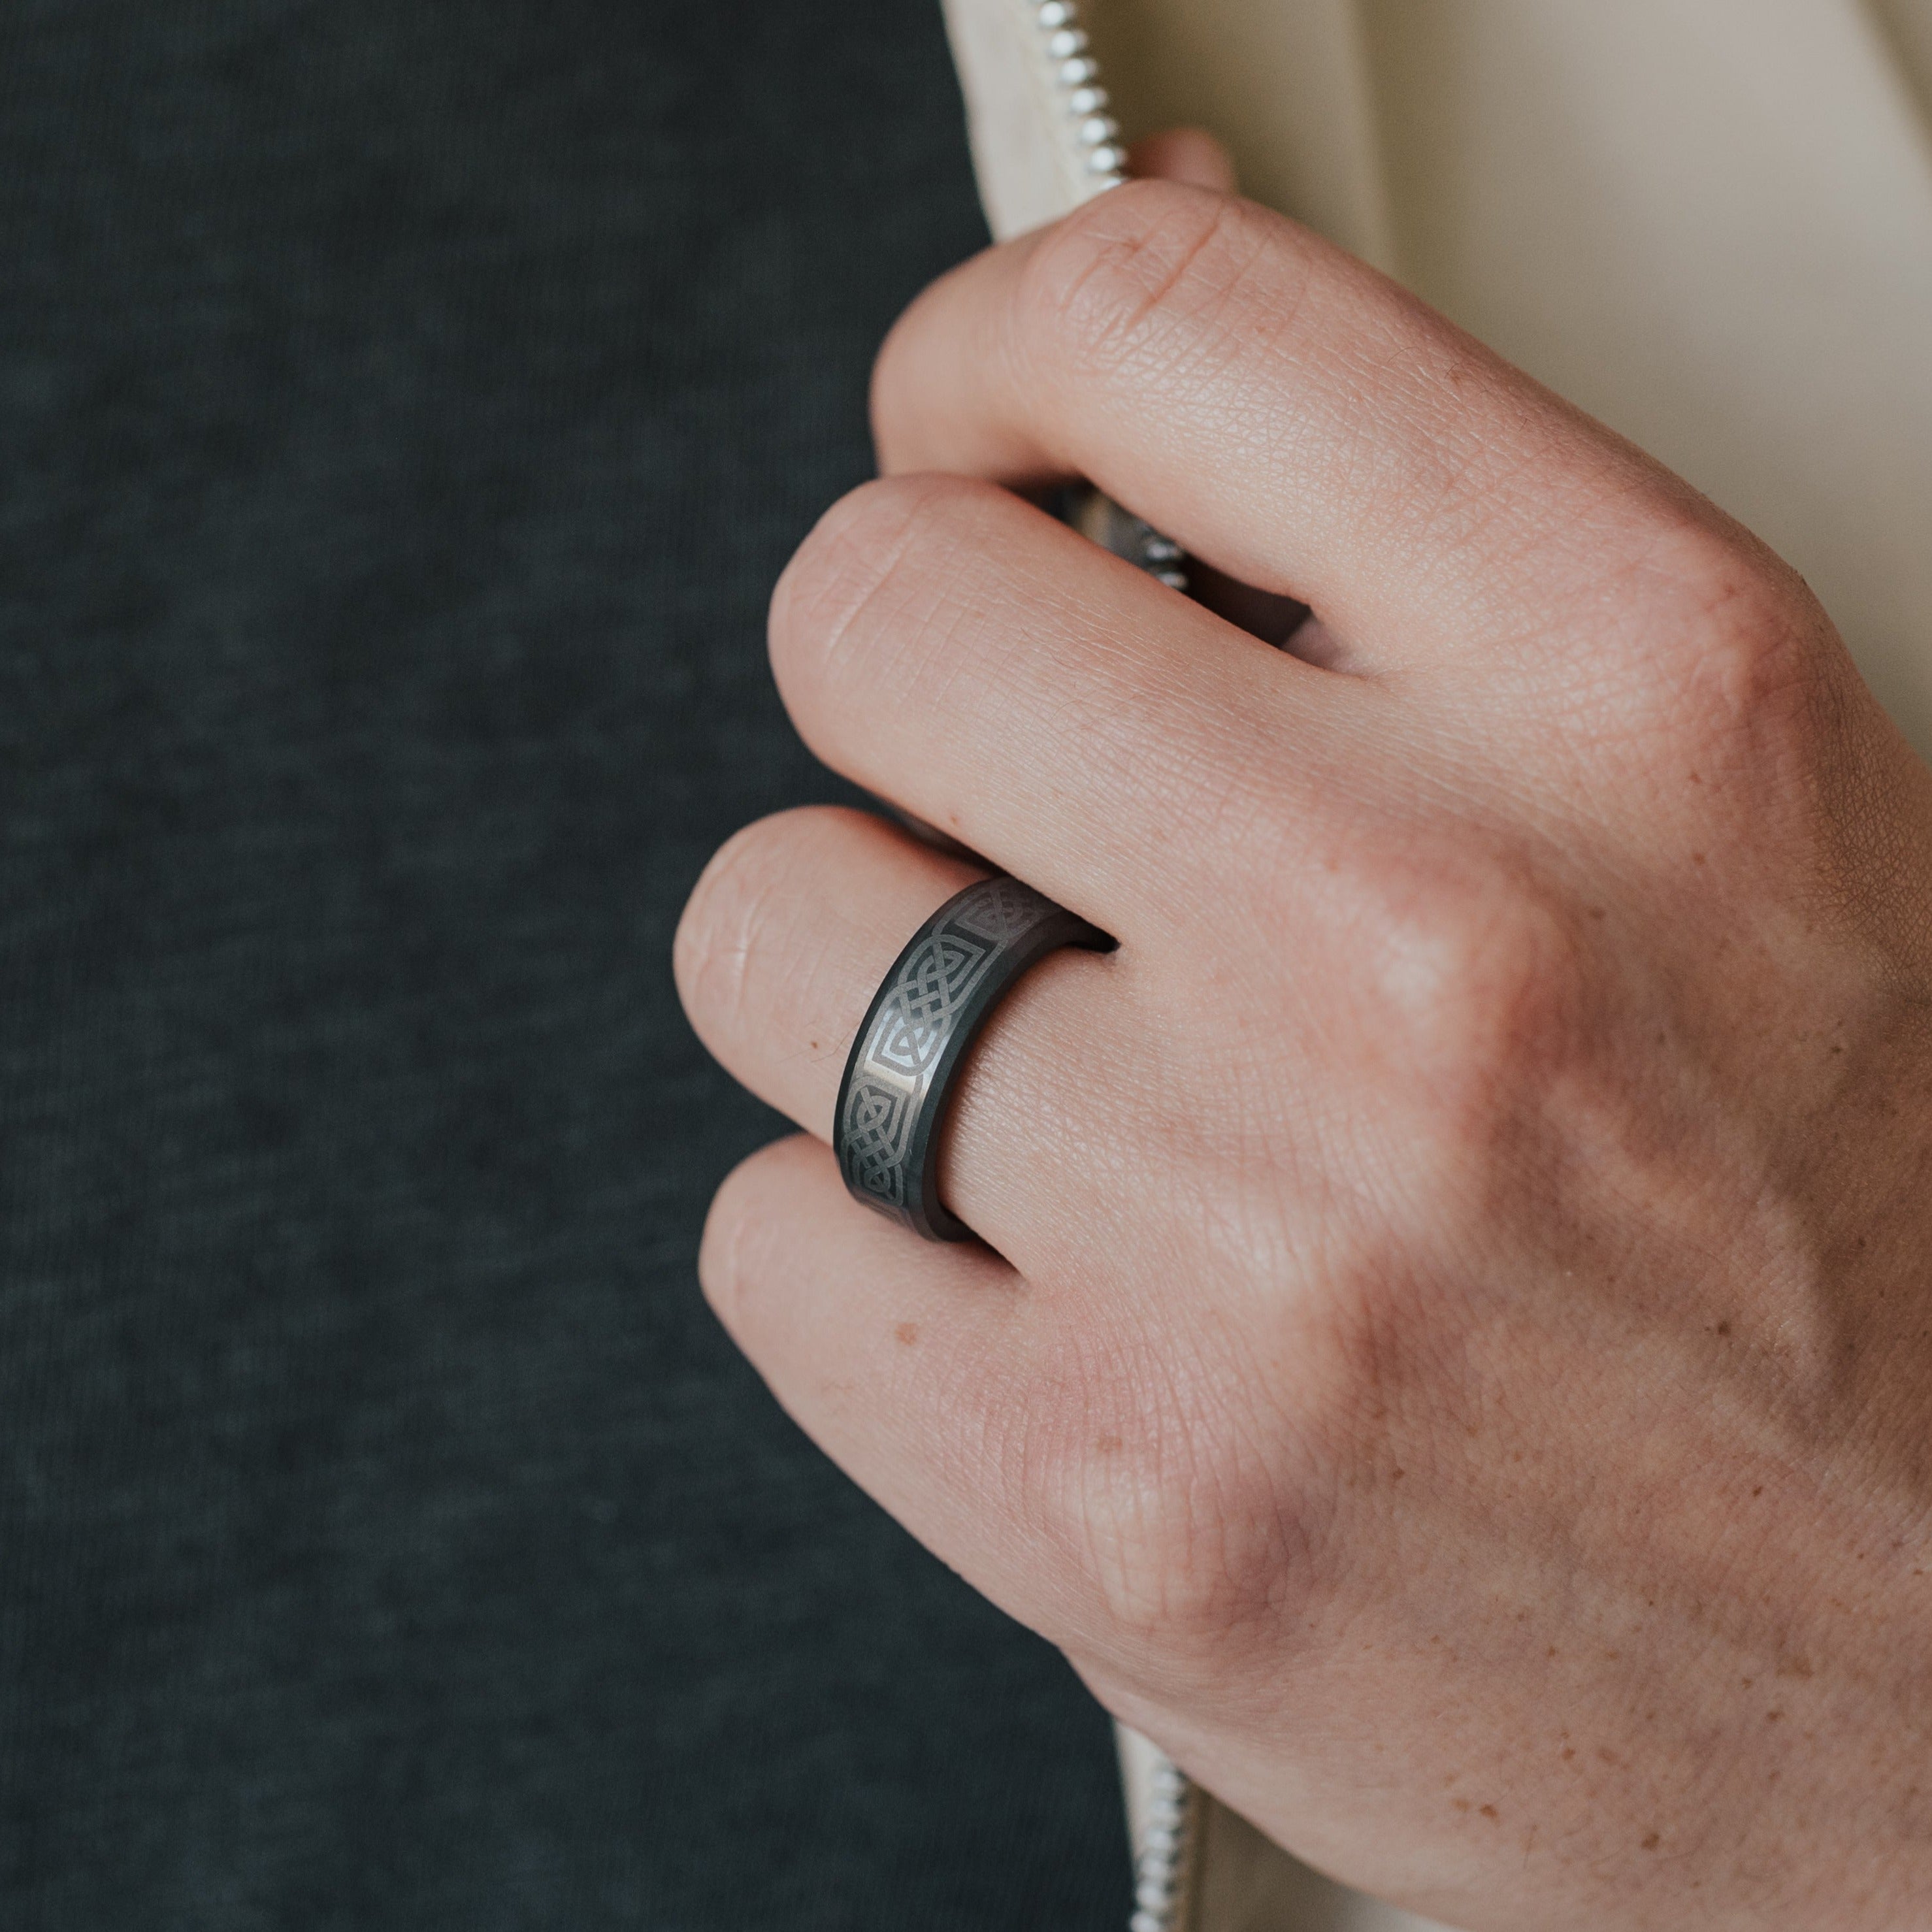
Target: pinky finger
x,y
906,1362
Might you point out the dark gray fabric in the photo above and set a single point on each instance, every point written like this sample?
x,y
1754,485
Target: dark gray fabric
x,y
404,410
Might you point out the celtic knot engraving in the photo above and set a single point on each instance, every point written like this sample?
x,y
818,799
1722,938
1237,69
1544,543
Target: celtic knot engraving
x,y
877,1120
917,1012
914,1022
1000,909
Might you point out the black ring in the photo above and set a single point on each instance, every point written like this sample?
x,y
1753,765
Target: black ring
x,y
955,969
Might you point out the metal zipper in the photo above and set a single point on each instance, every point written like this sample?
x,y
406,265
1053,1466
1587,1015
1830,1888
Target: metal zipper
x,y
1074,77
1166,1858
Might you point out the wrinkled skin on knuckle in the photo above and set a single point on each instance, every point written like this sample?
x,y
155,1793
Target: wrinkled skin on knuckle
x,y
1162,1482
1470,981
874,548
719,928
1741,677
1141,283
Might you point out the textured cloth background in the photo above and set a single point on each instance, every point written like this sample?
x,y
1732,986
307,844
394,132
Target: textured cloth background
x,y
404,412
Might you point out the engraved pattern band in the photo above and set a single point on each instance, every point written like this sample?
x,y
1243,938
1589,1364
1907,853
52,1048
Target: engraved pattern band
x,y
954,970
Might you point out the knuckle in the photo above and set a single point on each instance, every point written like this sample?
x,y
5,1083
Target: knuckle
x,y
1477,982
878,549
1754,671
1153,1477
1193,1567
712,951
1101,289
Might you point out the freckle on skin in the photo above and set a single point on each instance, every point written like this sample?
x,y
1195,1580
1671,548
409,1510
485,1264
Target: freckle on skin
x,y
1569,1754
1759,1491
907,1332
1488,1811
1772,1716
1651,1841
1604,1752
1552,1650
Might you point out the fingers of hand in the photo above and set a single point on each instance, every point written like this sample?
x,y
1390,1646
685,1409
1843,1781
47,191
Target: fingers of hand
x,y
916,1367
948,645
1278,407
902,1359
785,938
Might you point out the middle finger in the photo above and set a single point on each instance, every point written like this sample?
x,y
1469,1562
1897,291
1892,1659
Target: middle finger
x,y
956,650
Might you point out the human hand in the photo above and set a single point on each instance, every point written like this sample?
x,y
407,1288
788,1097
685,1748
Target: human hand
x,y
1454,1361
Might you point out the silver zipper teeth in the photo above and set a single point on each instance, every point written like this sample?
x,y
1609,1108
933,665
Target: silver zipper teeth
x,y
1076,75
1162,1867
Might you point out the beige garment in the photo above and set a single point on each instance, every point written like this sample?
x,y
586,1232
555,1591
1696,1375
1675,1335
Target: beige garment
x,y
1709,222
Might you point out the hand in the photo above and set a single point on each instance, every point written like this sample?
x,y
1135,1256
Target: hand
x,y
1453,1357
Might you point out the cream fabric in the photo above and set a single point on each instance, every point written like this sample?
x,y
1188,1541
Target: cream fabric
x,y
1709,222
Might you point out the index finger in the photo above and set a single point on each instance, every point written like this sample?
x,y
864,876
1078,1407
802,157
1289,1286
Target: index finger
x,y
1280,408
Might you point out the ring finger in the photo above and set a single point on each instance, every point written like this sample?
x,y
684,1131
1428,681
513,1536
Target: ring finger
x,y
787,935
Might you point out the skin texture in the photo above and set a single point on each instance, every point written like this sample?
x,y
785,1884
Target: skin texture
x,y
1453,1357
